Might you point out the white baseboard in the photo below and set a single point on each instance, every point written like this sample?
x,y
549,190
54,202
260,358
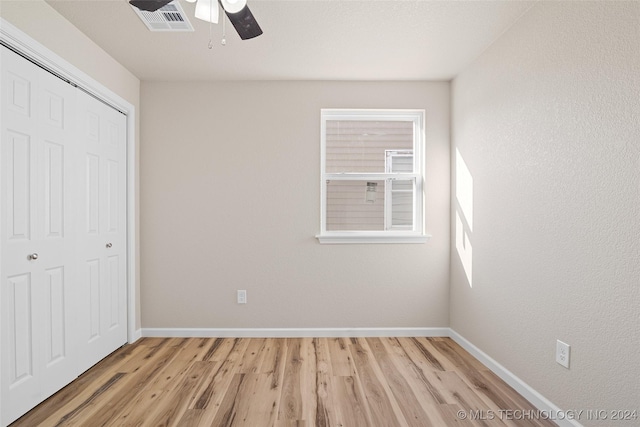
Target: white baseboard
x,y
536,399
137,334
293,332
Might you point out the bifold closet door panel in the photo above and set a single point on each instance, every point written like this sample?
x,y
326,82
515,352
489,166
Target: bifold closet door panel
x,y
102,229
37,239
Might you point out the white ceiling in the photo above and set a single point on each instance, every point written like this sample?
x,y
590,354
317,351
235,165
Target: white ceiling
x,y
305,39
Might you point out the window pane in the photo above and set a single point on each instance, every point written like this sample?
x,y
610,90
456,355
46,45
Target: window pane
x,y
400,161
355,205
402,209
402,185
361,145
400,199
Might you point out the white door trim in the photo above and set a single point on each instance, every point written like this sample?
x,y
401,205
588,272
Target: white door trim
x,y
36,52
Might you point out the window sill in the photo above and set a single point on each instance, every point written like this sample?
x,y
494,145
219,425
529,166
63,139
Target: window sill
x,y
355,237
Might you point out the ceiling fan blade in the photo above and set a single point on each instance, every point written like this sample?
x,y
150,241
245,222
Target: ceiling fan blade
x,y
149,5
244,23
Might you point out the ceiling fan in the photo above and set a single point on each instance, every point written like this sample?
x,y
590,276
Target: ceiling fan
x,y
236,10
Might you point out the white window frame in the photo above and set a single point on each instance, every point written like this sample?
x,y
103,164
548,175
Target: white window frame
x,y
414,235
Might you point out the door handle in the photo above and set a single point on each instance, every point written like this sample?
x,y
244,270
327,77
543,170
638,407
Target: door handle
x,y
32,257
109,245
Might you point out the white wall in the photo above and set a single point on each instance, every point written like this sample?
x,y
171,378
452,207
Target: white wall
x,y
42,23
230,199
547,121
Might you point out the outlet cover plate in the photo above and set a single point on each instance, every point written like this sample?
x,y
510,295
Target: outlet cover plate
x,y
242,297
563,353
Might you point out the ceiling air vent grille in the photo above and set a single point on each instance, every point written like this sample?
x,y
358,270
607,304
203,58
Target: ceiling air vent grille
x,y
168,18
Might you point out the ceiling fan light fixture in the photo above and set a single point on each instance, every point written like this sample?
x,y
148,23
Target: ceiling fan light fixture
x,y
233,6
207,10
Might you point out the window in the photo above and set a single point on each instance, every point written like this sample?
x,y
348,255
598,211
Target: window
x,y
372,175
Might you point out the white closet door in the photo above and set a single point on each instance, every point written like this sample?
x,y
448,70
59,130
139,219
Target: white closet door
x,y
102,229
37,247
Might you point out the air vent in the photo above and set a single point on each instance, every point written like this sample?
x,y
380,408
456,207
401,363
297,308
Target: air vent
x,y
168,18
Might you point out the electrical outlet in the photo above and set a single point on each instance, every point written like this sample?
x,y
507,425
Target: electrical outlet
x,y
242,297
563,353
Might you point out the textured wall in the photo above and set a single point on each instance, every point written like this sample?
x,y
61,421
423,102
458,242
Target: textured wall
x,y
42,23
230,197
547,121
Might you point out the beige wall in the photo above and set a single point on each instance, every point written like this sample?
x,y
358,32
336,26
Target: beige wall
x,y
42,23
548,123
230,199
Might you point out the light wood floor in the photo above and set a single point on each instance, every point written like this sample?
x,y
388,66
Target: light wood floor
x,y
350,382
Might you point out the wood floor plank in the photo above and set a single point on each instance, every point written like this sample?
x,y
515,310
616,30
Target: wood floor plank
x,y
384,410
466,398
506,398
407,401
298,385
341,362
426,370
485,391
274,357
229,353
292,423
192,417
252,357
171,403
278,382
455,354
351,407
418,374
450,413
127,389
426,349
165,383
309,382
220,348
324,388
217,384
426,393
198,348
250,402
226,414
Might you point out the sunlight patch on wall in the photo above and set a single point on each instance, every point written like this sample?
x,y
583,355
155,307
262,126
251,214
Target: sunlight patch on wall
x,y
464,216
464,189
